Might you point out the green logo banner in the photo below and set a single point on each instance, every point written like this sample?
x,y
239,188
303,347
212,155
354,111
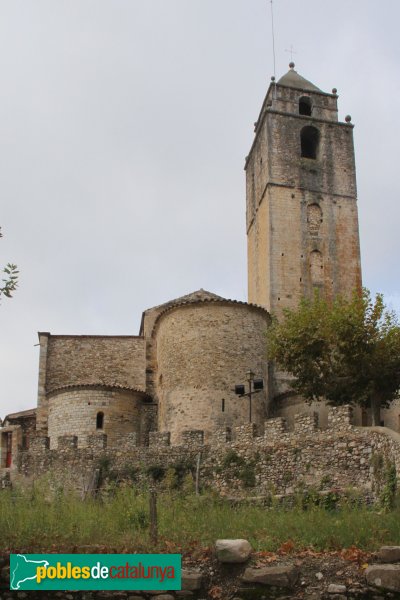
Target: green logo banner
x,y
95,571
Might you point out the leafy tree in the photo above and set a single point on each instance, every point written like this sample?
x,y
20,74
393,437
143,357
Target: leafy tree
x,y
346,351
10,281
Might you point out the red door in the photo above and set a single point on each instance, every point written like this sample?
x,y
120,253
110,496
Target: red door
x,y
8,450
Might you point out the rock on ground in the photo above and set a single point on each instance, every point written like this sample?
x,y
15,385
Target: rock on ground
x,y
389,554
233,551
285,576
386,577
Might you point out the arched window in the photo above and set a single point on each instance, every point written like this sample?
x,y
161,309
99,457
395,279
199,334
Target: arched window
x,y
316,268
314,218
309,137
99,420
305,106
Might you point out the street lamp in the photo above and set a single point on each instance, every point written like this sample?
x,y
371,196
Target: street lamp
x,y
255,386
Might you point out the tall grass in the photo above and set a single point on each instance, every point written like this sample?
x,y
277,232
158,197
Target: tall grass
x,y
120,522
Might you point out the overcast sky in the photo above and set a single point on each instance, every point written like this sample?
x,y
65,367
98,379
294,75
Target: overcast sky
x,y
123,130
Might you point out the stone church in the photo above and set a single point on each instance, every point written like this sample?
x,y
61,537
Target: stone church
x,y
179,372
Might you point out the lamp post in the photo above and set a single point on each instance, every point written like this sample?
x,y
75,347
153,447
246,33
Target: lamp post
x,y
255,385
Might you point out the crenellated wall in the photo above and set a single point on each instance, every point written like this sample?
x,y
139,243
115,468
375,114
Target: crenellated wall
x,y
237,462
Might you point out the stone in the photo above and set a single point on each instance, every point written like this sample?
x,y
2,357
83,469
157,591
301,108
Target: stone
x,y
184,594
389,554
384,576
191,580
233,551
319,576
334,588
284,576
135,597
165,597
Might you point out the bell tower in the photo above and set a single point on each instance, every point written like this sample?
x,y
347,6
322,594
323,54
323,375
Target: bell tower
x,y
302,221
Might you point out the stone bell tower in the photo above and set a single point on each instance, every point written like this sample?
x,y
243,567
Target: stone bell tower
x,y
302,222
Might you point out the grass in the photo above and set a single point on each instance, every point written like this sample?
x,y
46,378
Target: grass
x,y
120,523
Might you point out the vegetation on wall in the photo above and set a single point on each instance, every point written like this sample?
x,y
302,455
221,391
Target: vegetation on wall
x,y
347,351
9,282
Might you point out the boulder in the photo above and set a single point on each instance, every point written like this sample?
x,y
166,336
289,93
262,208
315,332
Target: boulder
x,y
389,554
386,577
191,580
284,576
232,551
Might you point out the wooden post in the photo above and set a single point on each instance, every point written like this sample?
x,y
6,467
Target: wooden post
x,y
198,474
153,517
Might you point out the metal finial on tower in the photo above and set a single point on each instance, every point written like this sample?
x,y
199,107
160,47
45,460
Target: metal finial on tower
x,y
273,35
273,46
291,51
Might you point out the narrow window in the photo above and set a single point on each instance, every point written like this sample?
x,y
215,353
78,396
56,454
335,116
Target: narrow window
x,y
305,106
316,268
99,420
314,218
309,137
223,405
8,450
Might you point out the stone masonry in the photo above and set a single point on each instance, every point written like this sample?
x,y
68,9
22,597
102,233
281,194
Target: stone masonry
x,y
280,463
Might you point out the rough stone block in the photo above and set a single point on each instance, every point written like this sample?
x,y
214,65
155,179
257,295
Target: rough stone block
x,y
245,433
305,423
233,551
67,442
97,441
221,436
340,417
39,443
334,588
389,554
191,580
284,576
159,439
192,437
274,428
386,577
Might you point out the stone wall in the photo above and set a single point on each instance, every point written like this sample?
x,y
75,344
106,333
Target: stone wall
x,y
237,463
74,412
202,350
110,360
67,360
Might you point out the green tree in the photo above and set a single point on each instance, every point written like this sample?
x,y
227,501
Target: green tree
x,y
9,282
346,351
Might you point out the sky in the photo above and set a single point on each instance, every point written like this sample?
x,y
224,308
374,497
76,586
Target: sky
x,y
124,125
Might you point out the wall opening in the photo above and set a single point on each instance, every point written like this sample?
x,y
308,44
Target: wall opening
x,y
305,106
223,405
6,450
100,420
317,268
309,137
314,218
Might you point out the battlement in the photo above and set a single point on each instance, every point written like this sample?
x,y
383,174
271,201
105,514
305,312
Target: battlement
x,y
239,460
275,430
